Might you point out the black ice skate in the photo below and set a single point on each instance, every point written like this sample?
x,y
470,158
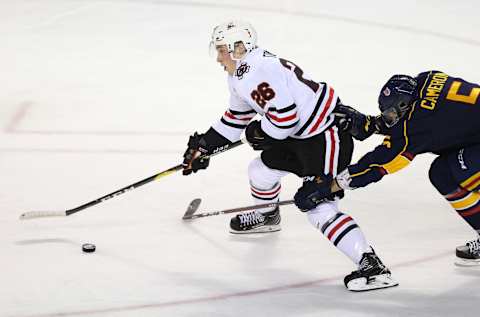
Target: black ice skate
x,y
469,254
372,274
256,222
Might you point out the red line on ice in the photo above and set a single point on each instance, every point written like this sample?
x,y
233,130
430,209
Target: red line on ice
x,y
230,295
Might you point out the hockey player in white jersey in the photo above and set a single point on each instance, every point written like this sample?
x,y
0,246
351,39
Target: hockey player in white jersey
x,y
297,129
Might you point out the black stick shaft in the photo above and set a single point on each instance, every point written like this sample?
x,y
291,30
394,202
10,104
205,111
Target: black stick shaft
x,y
124,190
145,181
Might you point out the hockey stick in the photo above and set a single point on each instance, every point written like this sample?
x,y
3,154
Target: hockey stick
x,y
68,212
193,207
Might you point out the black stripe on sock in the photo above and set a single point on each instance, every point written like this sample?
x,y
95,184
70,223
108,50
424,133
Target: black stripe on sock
x,y
329,222
341,235
277,184
263,198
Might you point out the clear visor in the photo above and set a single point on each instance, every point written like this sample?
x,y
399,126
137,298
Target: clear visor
x,y
391,116
238,53
212,49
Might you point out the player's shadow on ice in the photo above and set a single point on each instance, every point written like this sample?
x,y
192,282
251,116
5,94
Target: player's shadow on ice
x,y
468,271
42,241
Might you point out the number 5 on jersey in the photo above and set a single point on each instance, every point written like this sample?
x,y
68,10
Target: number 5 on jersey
x,y
454,95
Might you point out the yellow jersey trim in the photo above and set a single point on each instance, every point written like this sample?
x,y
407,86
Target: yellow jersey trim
x,y
465,202
471,183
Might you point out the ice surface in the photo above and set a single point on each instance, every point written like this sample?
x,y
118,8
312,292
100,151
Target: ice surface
x,y
98,94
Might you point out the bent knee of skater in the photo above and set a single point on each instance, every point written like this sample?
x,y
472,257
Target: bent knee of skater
x,y
322,213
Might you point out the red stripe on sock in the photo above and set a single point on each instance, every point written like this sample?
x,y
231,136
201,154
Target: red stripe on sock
x,y
335,229
266,193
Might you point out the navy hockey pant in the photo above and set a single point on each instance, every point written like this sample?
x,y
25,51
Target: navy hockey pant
x,y
456,175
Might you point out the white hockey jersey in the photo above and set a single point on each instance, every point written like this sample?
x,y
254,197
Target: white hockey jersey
x,y
290,103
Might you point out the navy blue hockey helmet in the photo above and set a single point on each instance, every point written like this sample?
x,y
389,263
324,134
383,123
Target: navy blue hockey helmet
x,y
396,97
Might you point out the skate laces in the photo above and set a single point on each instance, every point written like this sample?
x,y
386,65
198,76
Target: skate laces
x,y
370,261
251,218
474,246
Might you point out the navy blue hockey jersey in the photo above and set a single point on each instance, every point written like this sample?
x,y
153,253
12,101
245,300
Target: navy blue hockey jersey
x,y
444,117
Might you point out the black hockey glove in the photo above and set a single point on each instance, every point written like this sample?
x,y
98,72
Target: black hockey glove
x,y
200,146
192,161
360,126
257,138
380,126
315,190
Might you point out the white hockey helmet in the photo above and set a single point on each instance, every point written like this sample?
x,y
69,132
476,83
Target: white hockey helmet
x,y
232,32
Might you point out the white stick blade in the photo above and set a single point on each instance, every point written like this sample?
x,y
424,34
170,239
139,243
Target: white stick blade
x,y
467,262
42,214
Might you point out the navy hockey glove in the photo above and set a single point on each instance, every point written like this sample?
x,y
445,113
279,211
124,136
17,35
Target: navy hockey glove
x,y
360,126
257,138
315,190
192,160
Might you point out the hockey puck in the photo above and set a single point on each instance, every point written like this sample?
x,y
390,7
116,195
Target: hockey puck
x,y
88,247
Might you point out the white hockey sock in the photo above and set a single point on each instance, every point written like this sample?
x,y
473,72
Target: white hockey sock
x,y
340,229
265,196
264,183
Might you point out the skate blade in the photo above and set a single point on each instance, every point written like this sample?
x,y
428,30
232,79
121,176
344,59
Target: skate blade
x,y
261,229
467,262
377,282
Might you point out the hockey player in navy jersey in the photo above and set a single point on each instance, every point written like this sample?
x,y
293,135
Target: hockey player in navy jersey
x,y
431,113
296,132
